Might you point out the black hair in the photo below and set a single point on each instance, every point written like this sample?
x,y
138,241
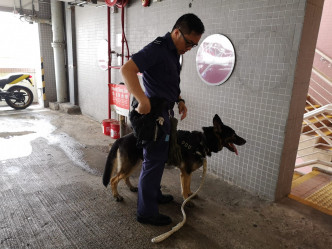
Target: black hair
x,y
189,23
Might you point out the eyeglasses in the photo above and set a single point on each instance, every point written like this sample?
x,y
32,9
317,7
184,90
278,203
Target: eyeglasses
x,y
189,44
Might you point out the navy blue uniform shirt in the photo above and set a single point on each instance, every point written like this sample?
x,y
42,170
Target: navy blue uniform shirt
x,y
159,63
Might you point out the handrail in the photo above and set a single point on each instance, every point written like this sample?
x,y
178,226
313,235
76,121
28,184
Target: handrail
x,y
318,144
306,118
323,55
314,117
321,76
306,140
319,132
322,95
312,124
319,93
312,153
325,108
316,161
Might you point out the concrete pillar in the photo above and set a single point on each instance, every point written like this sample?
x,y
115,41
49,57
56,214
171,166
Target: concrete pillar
x,y
71,53
59,51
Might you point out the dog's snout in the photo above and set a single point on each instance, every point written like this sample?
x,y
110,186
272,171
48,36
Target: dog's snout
x,y
239,140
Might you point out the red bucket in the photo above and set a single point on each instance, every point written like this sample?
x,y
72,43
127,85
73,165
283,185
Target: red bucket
x,y
107,126
115,129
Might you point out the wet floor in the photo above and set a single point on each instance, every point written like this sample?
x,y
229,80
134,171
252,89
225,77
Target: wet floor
x,y
51,196
20,128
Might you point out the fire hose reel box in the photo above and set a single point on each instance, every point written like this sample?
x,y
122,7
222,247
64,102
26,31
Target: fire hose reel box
x,y
118,3
145,3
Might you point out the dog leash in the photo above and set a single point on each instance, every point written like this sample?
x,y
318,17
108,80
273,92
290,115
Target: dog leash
x,y
180,224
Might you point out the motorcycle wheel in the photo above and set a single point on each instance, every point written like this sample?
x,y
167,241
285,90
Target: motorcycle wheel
x,y
20,97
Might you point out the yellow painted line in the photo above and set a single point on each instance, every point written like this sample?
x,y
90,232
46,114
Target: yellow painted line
x,y
311,204
327,133
312,107
43,76
321,199
296,175
305,178
315,120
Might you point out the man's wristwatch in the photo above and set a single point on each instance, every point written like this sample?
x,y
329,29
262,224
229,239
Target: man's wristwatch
x,y
179,100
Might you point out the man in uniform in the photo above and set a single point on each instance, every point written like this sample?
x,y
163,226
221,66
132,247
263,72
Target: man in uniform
x,y
159,63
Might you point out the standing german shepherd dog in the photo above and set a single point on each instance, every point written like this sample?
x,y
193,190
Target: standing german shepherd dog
x,y
125,156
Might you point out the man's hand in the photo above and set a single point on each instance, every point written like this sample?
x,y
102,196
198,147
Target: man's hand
x,y
182,110
144,106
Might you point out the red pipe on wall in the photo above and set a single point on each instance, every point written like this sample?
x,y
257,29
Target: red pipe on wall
x,y
109,58
124,40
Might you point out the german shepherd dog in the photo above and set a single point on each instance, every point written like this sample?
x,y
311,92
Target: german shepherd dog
x,y
125,156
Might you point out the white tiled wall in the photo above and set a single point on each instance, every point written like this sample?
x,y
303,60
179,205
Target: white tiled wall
x,y
254,101
91,28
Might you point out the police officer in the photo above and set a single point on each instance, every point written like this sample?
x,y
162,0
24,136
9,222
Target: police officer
x,y
159,63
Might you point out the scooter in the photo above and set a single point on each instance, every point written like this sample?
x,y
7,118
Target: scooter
x,y
18,97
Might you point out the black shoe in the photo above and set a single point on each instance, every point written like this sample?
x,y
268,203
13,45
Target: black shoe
x,y
165,199
159,220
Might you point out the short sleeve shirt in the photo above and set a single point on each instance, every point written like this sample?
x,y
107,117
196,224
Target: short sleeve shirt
x,y
159,63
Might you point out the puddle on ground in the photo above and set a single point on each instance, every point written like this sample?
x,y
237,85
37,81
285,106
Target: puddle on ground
x,y
12,170
17,134
7,135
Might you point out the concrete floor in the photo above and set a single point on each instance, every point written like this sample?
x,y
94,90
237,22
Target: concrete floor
x,y
51,196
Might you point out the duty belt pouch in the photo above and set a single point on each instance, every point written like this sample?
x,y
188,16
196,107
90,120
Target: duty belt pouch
x,y
146,127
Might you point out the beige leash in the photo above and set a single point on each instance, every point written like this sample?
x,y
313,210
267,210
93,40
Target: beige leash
x,y
179,225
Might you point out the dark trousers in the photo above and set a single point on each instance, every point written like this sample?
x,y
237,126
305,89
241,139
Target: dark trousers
x,y
155,155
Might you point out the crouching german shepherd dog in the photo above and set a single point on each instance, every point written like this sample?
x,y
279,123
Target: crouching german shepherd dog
x,y
125,156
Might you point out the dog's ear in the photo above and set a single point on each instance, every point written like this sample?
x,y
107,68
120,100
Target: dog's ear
x,y
217,123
